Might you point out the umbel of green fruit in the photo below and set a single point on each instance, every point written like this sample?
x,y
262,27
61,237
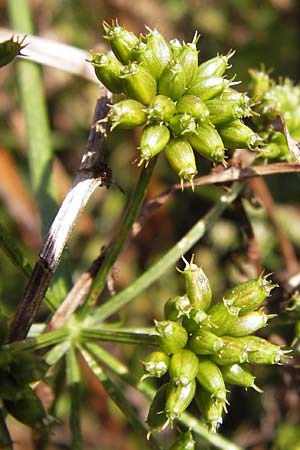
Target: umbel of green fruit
x,y
184,107
206,347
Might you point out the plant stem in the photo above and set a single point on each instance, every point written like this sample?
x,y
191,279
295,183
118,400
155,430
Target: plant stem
x,y
119,335
124,229
169,259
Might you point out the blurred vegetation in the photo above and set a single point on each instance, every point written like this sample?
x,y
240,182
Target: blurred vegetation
x,y
261,32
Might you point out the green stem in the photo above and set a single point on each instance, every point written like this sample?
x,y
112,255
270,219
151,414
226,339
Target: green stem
x,y
15,255
191,422
118,335
115,248
170,258
115,390
37,129
73,382
44,340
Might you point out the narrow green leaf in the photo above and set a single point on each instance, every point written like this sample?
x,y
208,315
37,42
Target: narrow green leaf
x,y
73,382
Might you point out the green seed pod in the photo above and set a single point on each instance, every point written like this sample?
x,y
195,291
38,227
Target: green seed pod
x,y
184,442
157,418
127,114
138,83
107,69
234,351
222,111
211,379
250,322
182,125
175,46
9,49
249,295
177,307
197,286
221,317
194,106
188,58
207,141
172,82
28,409
241,98
155,40
121,40
156,364
260,83
154,138
172,336
261,351
204,342
210,408
178,399
5,440
160,109
195,320
215,67
239,375
207,87
181,157
238,135
3,328
143,54
183,367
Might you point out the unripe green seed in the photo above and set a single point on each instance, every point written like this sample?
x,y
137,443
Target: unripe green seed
x,y
184,366
188,58
182,125
249,295
127,114
160,109
204,342
210,408
238,135
197,286
28,409
107,69
211,379
178,399
260,83
222,111
181,157
241,98
194,106
234,351
221,317
177,307
9,49
175,46
207,141
157,418
138,83
156,41
184,442
154,138
195,320
215,67
207,87
261,351
172,82
172,336
239,375
121,40
250,322
156,364
143,54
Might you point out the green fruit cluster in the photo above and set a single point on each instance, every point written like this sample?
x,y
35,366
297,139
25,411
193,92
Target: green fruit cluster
x,y
184,106
271,99
205,347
